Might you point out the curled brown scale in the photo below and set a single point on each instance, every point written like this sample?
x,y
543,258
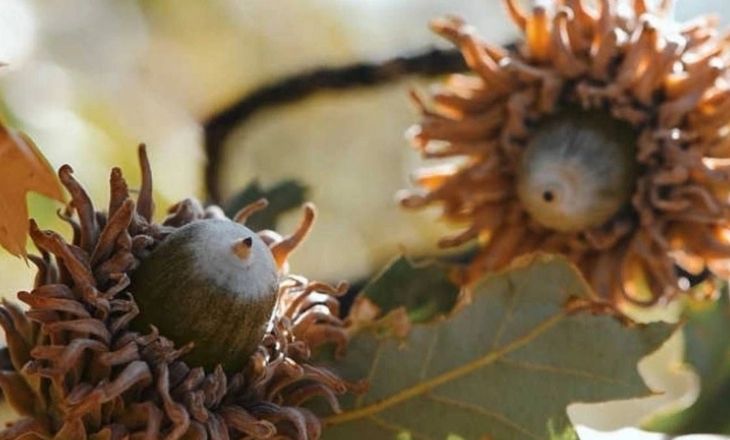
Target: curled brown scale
x,y
81,372
668,82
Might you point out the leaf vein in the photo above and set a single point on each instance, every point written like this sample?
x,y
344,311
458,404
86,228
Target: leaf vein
x,y
429,355
507,317
484,412
561,370
371,369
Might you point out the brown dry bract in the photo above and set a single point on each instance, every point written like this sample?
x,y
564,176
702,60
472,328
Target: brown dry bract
x,y
22,169
671,84
80,373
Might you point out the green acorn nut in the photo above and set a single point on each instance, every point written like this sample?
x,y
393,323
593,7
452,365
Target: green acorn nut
x,y
578,170
212,282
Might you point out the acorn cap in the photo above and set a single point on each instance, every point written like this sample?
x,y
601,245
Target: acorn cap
x,y
80,371
667,81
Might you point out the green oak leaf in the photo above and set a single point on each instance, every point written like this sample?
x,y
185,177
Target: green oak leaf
x,y
707,342
424,289
503,367
284,196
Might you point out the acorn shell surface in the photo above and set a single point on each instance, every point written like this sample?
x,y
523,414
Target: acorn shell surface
x,y
578,170
197,286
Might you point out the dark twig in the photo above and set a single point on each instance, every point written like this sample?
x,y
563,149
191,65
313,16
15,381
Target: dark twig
x,y
293,88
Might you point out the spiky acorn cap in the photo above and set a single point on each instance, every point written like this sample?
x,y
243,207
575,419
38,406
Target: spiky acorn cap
x,y
626,198
81,372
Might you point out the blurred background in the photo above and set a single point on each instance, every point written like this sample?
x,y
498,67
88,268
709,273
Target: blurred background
x,y
89,80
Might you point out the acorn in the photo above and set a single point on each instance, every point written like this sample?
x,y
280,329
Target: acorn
x,y
218,283
601,135
578,170
191,328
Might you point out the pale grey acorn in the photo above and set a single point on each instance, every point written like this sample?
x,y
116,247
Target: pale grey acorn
x,y
578,170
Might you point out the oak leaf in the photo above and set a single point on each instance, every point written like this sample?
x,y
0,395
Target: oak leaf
x,y
22,169
505,366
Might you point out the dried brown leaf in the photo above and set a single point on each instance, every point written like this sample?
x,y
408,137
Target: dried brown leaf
x,y
22,168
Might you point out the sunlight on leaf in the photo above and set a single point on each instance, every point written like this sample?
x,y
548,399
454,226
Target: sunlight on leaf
x,y
567,434
708,352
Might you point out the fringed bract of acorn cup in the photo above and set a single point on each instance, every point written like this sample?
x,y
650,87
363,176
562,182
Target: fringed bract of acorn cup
x,y
85,368
601,137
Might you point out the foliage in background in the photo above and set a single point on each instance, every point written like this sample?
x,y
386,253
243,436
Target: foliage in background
x,y
425,290
283,197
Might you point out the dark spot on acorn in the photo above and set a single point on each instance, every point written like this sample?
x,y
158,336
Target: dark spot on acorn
x,y
578,170
212,282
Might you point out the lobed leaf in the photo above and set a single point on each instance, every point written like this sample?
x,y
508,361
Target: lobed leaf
x,y
22,169
504,367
